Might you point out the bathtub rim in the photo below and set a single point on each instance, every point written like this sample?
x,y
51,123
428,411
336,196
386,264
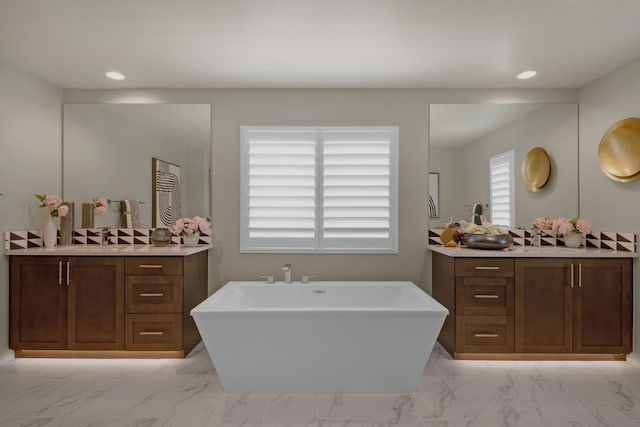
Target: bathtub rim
x,y
431,305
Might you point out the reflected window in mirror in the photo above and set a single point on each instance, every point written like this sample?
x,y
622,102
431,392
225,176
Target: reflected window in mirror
x,y
501,179
462,138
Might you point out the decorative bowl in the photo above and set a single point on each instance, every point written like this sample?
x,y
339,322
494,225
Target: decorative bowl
x,y
160,237
487,241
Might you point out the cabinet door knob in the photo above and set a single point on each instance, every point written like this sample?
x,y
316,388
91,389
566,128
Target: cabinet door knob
x,y
486,335
151,333
487,268
485,296
150,265
152,294
68,269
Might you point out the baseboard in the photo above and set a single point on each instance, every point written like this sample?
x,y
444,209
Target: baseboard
x,y
634,358
7,357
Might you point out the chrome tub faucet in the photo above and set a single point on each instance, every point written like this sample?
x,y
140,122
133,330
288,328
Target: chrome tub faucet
x,y
287,273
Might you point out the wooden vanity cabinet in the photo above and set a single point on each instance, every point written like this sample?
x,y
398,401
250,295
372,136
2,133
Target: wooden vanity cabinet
x,y
484,305
95,303
103,306
581,305
70,303
154,290
38,303
544,306
514,307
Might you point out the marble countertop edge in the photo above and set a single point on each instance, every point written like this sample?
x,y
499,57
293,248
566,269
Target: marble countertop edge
x,y
111,250
532,252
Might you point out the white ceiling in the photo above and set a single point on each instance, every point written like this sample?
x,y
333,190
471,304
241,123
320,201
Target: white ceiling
x,y
319,43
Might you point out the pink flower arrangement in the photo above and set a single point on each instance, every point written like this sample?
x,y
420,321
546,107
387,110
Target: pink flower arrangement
x,y
188,226
562,225
542,223
57,208
99,206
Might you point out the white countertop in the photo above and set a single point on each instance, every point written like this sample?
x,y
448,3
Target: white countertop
x,y
532,252
112,250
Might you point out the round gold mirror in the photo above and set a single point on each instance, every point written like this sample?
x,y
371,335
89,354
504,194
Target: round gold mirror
x,y
619,151
536,169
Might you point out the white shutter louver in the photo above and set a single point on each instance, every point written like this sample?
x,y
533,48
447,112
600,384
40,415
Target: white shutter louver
x,y
501,177
319,189
356,188
281,187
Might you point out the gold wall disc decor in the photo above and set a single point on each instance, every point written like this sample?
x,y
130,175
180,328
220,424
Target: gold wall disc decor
x,y
536,168
619,150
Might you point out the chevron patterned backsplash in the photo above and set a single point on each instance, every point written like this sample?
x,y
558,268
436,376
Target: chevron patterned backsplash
x,y
614,240
24,239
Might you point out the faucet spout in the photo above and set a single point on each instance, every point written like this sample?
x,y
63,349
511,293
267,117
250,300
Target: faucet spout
x,y
287,273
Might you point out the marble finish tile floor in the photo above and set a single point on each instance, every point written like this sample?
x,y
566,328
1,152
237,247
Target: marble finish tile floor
x,y
187,393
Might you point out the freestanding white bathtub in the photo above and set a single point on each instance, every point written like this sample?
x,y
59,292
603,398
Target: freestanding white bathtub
x,y
319,336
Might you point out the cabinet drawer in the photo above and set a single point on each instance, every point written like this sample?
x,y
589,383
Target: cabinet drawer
x,y
153,332
484,267
484,334
484,296
153,265
153,294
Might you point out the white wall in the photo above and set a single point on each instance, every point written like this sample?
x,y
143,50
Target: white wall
x,y
553,127
30,161
608,204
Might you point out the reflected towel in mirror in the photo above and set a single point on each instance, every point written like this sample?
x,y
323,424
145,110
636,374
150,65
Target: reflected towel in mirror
x,y
130,215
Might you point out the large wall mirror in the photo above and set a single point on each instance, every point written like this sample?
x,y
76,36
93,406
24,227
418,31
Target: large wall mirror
x,y
108,151
462,138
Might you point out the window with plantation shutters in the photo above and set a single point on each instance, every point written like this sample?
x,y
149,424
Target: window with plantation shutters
x,y
502,183
324,190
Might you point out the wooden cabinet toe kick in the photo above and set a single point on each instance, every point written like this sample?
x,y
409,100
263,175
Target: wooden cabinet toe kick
x,y
99,354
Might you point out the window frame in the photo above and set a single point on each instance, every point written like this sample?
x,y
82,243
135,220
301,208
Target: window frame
x,y
346,246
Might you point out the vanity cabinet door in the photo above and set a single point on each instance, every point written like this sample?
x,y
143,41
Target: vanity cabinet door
x,y
602,306
38,307
544,305
96,303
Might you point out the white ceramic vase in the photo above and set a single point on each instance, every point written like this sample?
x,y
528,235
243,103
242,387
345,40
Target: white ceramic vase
x,y
49,233
573,240
191,239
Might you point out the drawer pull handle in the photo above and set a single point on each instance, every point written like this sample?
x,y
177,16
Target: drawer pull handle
x,y
152,333
487,268
486,335
150,265
149,294
487,296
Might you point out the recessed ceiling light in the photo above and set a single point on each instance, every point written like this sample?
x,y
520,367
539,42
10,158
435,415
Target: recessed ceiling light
x,y
526,74
114,75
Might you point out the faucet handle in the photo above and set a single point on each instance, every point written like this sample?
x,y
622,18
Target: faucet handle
x,y
269,279
305,279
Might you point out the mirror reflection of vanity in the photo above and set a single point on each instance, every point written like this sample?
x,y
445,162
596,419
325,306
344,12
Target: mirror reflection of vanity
x,y
462,138
108,151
